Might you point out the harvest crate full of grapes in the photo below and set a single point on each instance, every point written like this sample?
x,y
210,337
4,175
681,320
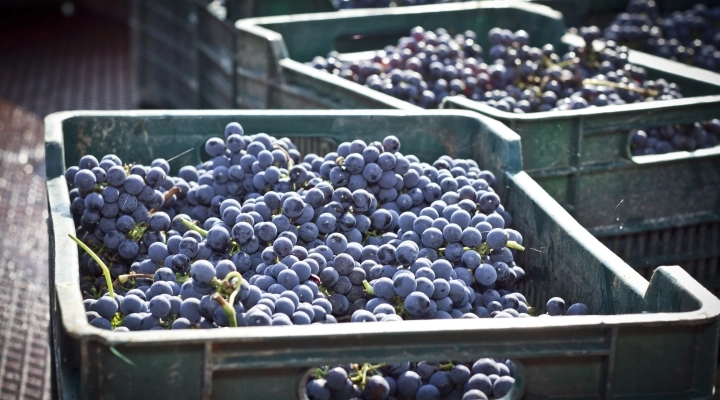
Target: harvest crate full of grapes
x,y
360,230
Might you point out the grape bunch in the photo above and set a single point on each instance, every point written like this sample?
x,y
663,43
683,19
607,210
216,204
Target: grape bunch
x,y
260,235
427,66
691,36
350,4
483,379
666,139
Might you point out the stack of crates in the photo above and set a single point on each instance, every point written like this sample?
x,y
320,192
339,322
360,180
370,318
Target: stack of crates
x,y
164,55
599,224
167,56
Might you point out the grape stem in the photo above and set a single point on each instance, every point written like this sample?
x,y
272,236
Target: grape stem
x,y
321,373
234,247
563,64
173,190
227,306
362,375
290,161
229,311
124,278
446,367
599,82
511,244
117,320
375,368
238,284
193,227
368,289
122,357
138,231
105,270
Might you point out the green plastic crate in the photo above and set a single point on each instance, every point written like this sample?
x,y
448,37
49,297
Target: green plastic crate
x,y
164,55
601,12
237,9
264,56
652,340
268,54
216,46
650,210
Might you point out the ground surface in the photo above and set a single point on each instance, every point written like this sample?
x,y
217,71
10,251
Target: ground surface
x,y
48,63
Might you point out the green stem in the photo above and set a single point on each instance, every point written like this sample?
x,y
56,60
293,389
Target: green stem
x,y
106,271
124,278
290,162
511,244
193,227
117,320
368,289
122,357
227,308
216,284
483,249
400,307
446,367
599,82
321,373
563,64
363,374
239,277
137,231
376,368
234,248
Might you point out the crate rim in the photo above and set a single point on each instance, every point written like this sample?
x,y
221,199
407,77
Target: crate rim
x,y
369,12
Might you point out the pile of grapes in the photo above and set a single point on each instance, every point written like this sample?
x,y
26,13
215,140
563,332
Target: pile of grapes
x,y
480,380
259,235
691,36
427,66
667,139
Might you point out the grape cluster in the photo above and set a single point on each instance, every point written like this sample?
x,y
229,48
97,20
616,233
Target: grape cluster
x,y
259,235
349,4
691,36
427,66
483,379
685,137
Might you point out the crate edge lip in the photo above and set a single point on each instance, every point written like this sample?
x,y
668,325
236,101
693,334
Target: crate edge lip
x,y
370,12
76,325
587,112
